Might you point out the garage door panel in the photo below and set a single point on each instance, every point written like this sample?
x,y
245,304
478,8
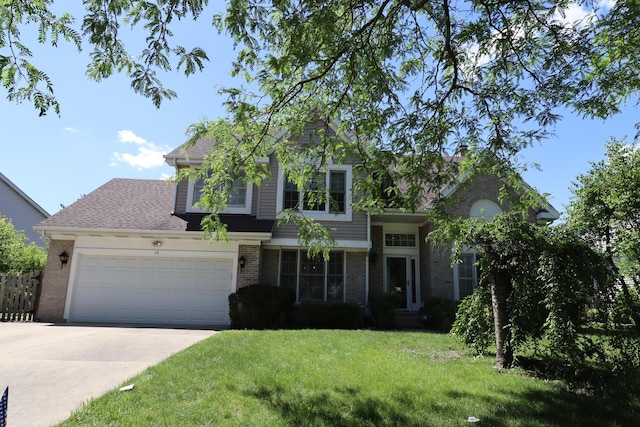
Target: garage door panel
x,y
151,290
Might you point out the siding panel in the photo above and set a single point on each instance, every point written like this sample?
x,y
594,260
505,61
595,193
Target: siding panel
x,y
340,230
21,213
181,197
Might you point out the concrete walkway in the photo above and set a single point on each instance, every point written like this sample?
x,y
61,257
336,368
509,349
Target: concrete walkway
x,y
52,370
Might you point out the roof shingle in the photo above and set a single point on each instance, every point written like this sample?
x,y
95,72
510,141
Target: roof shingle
x,y
127,204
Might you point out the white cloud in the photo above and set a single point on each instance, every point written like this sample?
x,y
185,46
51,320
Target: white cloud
x,y
129,136
148,156
70,129
575,14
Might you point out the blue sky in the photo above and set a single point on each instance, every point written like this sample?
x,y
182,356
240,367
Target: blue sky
x,y
106,131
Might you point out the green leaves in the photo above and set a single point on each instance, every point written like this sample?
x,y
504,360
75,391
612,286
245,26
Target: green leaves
x,y
102,25
606,210
16,256
21,79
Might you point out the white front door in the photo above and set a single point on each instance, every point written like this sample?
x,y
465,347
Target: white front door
x,y
401,276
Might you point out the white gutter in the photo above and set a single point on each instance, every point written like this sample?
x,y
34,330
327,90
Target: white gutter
x,y
116,232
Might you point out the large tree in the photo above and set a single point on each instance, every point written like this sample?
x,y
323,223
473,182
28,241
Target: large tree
x,y
537,281
413,78
605,209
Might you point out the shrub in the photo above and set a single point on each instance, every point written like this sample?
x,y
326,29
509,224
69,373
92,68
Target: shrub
x,y
383,306
260,307
474,320
330,315
441,313
16,256
621,312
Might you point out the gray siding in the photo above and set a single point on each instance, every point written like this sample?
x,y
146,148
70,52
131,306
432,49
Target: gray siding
x,y
267,192
181,197
22,213
340,230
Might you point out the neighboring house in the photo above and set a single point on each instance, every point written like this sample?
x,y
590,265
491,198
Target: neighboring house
x,y
137,254
23,212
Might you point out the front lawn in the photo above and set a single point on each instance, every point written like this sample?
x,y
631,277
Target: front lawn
x,y
343,378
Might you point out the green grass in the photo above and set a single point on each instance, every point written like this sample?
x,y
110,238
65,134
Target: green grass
x,y
343,378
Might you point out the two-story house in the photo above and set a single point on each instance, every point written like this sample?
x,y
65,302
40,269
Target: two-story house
x,y
136,252
23,212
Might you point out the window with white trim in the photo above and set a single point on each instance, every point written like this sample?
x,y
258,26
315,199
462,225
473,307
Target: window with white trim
x,y
326,196
467,273
313,279
406,240
239,200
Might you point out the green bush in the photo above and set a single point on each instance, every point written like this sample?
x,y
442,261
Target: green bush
x,y
16,255
260,307
474,320
621,311
383,306
330,315
441,313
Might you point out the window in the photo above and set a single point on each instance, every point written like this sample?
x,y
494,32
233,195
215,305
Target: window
x,y
291,196
314,195
467,275
313,279
238,195
325,197
239,200
400,240
337,191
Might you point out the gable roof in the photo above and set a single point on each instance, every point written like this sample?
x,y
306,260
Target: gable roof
x,y
139,205
188,151
22,194
192,153
121,204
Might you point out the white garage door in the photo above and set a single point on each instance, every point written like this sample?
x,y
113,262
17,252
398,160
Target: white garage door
x,y
152,290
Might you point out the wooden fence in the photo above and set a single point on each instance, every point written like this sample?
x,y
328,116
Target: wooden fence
x,y
19,296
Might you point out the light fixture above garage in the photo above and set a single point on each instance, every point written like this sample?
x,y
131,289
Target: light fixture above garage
x,y
241,262
156,243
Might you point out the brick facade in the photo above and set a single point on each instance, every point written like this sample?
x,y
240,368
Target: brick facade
x,y
55,282
250,273
481,187
356,279
376,271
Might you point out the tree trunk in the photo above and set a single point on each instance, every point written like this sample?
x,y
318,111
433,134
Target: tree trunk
x,y
500,291
632,303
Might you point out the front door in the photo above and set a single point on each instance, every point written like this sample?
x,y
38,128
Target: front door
x,y
401,277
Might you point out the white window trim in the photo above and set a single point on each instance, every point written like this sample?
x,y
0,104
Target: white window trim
x,y
246,209
456,272
322,216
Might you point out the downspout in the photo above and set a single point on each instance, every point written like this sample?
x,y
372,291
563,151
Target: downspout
x,y
367,265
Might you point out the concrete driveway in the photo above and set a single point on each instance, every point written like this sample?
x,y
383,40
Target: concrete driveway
x,y
52,370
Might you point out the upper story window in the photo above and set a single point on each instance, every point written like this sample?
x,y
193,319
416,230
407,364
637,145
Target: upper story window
x,y
325,197
239,200
484,209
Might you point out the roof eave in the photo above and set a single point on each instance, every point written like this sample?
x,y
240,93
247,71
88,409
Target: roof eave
x,y
69,232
